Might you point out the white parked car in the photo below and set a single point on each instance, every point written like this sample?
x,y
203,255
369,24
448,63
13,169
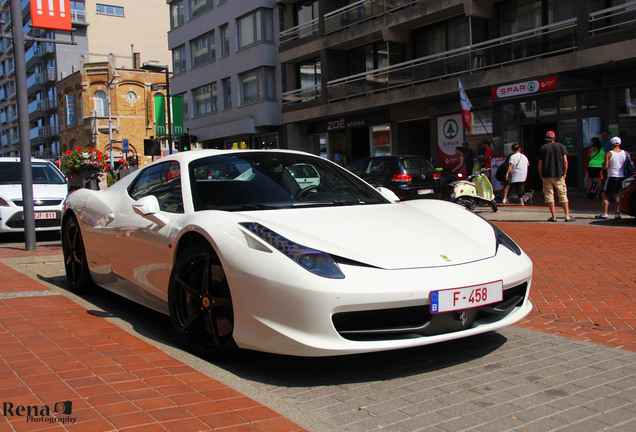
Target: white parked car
x,y
248,257
49,190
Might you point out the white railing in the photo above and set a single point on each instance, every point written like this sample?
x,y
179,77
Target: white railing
x,y
613,18
300,31
301,95
360,11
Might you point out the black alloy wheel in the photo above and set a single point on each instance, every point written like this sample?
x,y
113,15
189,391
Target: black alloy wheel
x,y
77,273
466,201
201,305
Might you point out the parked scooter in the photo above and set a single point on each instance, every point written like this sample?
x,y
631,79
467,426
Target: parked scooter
x,y
474,190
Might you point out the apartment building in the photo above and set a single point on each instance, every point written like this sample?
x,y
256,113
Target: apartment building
x,y
225,68
378,77
102,30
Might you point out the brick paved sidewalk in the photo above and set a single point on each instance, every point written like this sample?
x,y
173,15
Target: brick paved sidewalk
x,y
584,283
53,351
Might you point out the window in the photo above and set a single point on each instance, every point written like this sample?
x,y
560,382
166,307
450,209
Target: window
x,y
205,99
163,181
178,60
103,9
176,14
100,103
197,7
225,40
255,27
226,85
256,85
309,74
203,49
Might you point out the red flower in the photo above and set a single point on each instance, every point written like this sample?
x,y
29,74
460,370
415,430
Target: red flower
x,y
78,149
99,157
121,161
68,152
91,149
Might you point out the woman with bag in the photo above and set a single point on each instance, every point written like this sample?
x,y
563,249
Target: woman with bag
x,y
517,172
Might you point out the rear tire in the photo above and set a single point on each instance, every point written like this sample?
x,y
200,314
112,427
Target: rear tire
x,y
493,205
201,304
77,274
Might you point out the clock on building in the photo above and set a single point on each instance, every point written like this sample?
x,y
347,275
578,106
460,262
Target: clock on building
x,y
131,96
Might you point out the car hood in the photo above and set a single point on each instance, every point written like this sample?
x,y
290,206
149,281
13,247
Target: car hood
x,y
13,192
410,234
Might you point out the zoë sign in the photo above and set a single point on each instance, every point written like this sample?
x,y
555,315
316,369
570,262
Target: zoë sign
x,y
522,88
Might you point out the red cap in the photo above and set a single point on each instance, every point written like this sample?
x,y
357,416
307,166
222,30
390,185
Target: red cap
x,y
550,135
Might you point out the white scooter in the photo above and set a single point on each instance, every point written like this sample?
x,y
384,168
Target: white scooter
x,y
475,190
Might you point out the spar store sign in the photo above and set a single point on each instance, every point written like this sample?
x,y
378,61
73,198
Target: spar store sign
x,y
524,88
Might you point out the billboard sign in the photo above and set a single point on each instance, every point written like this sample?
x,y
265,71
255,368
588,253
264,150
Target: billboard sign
x,y
51,14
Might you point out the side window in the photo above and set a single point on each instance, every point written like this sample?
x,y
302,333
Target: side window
x,y
163,181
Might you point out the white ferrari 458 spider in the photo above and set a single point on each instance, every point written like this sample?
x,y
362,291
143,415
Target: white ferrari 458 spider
x,y
286,252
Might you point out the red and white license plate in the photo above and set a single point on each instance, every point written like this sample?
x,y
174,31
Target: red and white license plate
x,y
453,299
44,215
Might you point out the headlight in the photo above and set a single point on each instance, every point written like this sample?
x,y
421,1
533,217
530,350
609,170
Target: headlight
x,y
318,263
503,239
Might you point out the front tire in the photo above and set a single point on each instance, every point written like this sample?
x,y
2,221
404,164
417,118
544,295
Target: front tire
x,y
201,304
77,274
493,206
466,201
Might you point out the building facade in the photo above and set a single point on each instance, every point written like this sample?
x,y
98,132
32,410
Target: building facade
x,y
382,76
101,31
225,68
91,111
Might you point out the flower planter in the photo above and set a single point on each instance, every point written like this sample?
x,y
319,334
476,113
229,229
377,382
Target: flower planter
x,y
79,179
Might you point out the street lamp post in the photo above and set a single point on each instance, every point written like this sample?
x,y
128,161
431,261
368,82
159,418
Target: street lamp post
x,y
110,122
154,87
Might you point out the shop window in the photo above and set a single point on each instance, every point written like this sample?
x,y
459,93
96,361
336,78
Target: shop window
x,y
381,140
627,102
567,103
528,109
548,106
591,100
318,145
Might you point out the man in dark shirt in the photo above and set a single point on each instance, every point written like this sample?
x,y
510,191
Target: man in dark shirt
x,y
553,167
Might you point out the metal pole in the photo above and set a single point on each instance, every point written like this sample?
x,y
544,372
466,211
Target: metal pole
x,y
169,110
23,125
110,125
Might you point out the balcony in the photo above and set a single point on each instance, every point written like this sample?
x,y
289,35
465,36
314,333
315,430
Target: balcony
x,y
305,94
361,11
526,46
612,19
78,17
300,31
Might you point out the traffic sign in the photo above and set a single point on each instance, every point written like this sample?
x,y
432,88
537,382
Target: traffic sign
x,y
125,148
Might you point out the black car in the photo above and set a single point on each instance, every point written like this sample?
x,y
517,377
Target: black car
x,y
407,176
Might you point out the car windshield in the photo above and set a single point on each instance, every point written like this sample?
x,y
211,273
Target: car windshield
x,y
267,180
43,173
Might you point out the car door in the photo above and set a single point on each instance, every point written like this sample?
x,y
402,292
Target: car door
x,y
138,246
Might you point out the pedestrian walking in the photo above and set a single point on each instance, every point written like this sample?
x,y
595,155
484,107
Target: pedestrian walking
x,y
613,163
517,172
595,169
553,168
485,154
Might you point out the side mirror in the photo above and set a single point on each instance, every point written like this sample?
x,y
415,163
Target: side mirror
x,y
148,207
388,194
